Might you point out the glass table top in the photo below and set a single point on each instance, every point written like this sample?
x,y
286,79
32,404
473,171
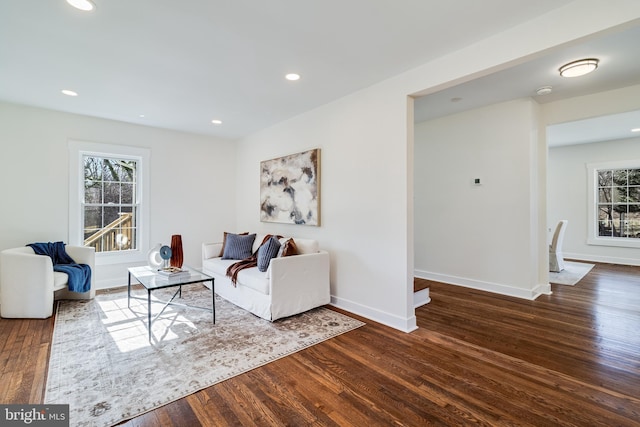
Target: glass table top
x,y
151,279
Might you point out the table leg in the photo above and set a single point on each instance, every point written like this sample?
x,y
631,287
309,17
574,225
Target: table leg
x,y
149,311
129,291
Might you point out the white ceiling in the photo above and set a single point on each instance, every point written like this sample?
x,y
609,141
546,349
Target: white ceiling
x,y
596,129
183,63
619,67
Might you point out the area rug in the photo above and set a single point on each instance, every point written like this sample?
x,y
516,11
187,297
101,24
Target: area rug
x,y
103,365
573,272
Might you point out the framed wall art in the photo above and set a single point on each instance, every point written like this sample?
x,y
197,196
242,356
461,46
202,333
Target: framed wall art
x,y
290,189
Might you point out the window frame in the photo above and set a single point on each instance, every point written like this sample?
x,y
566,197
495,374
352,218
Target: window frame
x,y
593,237
77,151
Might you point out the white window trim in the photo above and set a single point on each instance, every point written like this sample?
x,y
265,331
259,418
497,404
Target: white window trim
x,y
592,208
78,149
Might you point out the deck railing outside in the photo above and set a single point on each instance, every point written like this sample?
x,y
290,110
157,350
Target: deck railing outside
x,y
116,236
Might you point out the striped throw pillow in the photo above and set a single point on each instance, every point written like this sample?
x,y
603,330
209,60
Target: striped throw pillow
x,y
238,246
268,250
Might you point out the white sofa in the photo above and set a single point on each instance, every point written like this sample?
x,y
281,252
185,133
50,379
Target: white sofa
x,y
28,284
291,284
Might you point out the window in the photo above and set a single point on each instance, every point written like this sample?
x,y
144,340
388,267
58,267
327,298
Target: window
x,y
615,204
110,203
619,203
108,200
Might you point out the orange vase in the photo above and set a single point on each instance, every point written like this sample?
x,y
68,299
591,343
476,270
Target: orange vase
x,y
176,251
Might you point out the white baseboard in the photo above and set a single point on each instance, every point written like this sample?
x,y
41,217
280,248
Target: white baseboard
x,y
110,283
496,288
404,325
603,259
421,298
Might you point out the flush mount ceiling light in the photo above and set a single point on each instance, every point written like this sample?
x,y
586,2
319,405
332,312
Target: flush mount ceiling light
x,y
635,130
292,76
69,92
544,90
216,122
579,68
85,5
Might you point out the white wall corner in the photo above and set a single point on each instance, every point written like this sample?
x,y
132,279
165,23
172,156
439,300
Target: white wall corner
x,y
541,289
421,298
402,324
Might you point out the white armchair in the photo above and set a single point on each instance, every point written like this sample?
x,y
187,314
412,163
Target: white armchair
x,y
28,284
556,259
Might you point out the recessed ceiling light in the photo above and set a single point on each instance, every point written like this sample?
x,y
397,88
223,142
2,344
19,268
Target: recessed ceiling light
x,y
544,90
635,130
216,122
69,92
292,76
141,116
85,5
579,68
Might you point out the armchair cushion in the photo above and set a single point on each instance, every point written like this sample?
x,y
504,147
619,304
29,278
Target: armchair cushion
x,y
79,274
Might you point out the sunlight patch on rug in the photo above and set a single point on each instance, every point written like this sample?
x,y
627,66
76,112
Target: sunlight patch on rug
x,y
103,365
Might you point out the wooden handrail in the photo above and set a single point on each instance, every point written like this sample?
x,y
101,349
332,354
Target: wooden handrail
x,y
111,230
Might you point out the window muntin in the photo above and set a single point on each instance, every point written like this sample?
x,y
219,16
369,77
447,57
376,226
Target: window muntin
x,y
617,204
110,203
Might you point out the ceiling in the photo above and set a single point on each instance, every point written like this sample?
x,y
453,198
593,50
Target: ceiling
x,y
619,67
181,64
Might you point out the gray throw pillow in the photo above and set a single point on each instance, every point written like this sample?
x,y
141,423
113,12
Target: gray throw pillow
x,y
268,250
237,246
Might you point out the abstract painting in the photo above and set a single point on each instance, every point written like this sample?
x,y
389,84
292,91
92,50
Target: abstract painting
x,y
290,189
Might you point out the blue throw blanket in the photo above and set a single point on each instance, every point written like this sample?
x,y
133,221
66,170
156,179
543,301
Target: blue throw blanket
x,y
79,274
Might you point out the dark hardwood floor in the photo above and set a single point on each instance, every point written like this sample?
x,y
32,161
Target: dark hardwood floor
x,y
568,359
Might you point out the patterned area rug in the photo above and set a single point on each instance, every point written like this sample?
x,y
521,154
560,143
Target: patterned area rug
x,y
104,367
573,272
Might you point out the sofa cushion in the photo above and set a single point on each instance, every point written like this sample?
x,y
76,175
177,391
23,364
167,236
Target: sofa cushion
x,y
287,247
218,265
254,279
267,251
249,277
257,243
224,240
307,246
238,246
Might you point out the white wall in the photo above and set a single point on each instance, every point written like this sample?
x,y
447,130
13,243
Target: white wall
x,y
594,105
568,196
479,235
363,198
192,186
367,170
